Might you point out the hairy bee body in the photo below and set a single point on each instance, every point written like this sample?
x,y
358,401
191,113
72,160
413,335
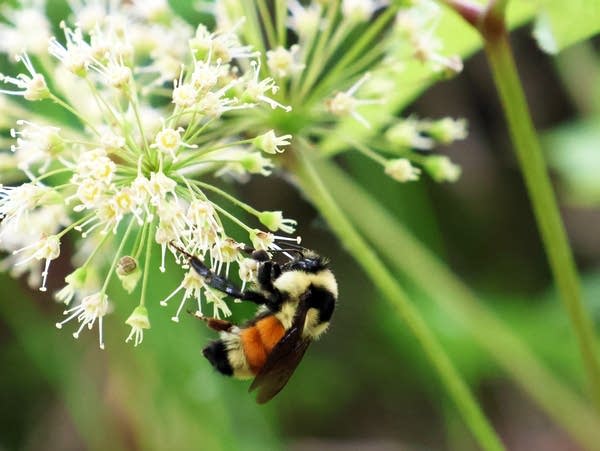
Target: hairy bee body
x,y
243,351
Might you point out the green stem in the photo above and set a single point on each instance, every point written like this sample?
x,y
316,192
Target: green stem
x,y
467,405
267,23
542,197
113,265
412,258
150,240
281,10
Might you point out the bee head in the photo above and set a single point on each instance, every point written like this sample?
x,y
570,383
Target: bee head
x,y
307,261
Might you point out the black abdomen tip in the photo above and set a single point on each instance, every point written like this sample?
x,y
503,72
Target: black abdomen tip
x,y
216,354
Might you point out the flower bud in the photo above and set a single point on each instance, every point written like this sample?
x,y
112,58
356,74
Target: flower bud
x,y
273,220
270,143
402,170
441,169
447,130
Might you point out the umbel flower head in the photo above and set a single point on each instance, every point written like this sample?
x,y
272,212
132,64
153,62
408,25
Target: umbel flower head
x,y
155,109
147,98
337,63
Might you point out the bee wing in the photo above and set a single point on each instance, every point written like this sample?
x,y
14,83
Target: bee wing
x,y
283,359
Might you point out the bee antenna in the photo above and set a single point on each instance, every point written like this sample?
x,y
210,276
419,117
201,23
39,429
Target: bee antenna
x,y
184,252
296,246
298,251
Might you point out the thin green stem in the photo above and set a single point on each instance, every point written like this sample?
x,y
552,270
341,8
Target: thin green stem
x,y
229,197
267,23
139,240
113,265
95,251
457,301
149,241
541,194
316,57
280,21
312,185
355,51
73,111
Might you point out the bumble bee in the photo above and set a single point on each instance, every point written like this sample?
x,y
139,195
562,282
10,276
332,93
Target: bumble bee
x,y
296,301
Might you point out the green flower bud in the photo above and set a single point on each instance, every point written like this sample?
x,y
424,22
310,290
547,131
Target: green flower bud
x,y
273,220
441,169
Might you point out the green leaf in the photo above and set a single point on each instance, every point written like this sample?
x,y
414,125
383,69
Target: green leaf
x,y
572,152
562,23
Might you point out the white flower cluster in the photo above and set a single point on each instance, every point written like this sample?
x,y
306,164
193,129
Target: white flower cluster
x,y
145,98
343,60
143,110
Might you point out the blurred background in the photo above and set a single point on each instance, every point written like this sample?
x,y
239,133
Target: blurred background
x,y
366,384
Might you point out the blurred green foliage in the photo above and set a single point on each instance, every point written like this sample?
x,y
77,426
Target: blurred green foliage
x,y
367,378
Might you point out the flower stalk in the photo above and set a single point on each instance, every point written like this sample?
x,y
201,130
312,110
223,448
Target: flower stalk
x,y
313,186
490,22
459,303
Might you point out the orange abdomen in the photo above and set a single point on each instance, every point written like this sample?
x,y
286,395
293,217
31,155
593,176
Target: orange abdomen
x,y
259,339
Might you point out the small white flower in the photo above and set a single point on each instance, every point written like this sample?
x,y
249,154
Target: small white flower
x,y
90,309
138,321
284,63
16,202
344,103
360,10
33,86
273,220
28,30
192,284
402,170
35,144
255,163
76,56
270,143
248,271
407,133
265,240
151,10
216,298
304,21
48,248
223,45
256,90
169,141
441,169
75,283
448,130
184,95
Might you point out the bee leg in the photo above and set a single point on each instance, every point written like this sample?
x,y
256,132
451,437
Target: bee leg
x,y
256,254
215,323
214,280
267,272
222,284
